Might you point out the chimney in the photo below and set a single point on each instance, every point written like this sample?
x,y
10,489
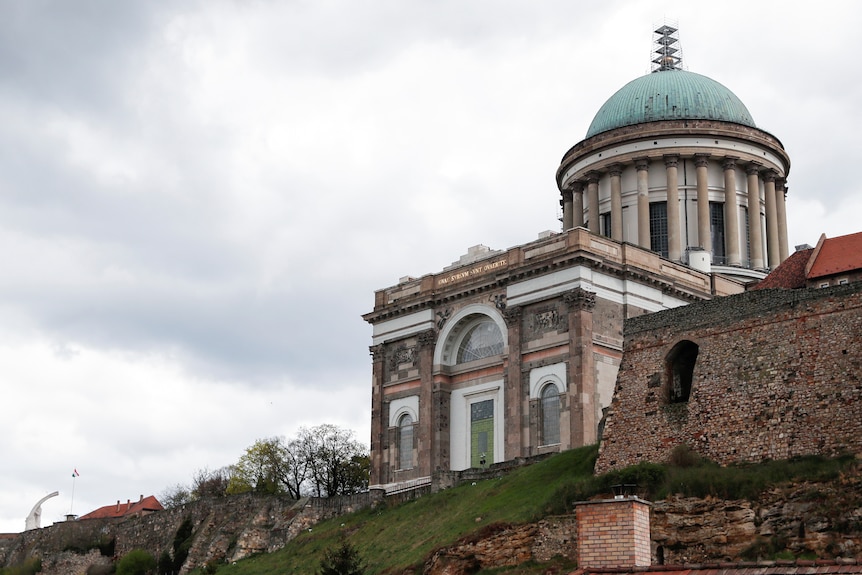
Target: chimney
x,y
141,499
118,505
128,504
613,533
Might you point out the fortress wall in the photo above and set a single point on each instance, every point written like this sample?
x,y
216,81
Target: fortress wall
x,y
778,374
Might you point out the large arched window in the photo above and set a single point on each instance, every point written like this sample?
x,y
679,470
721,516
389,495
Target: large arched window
x,y
550,415
482,340
405,442
679,367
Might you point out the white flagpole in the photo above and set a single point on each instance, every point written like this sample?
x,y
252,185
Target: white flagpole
x,y
72,505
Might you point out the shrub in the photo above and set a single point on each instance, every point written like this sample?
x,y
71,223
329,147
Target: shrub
x,y
136,562
30,566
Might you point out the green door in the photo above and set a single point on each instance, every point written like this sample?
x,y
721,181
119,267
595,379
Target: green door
x,y
482,433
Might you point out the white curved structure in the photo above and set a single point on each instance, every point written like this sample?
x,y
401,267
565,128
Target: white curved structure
x,y
34,519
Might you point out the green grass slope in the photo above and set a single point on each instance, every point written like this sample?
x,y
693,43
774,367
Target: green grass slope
x,y
393,538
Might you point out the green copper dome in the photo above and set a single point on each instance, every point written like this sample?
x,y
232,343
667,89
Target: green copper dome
x,y
670,95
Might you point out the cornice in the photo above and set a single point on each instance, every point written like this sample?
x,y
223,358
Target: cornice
x,y
437,298
666,128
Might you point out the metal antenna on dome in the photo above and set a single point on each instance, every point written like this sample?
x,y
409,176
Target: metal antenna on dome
x,y
666,45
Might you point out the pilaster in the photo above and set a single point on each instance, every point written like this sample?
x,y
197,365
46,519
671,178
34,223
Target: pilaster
x,y
582,372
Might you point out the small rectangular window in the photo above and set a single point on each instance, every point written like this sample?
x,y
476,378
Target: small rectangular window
x,y
824,284
606,224
658,227
842,282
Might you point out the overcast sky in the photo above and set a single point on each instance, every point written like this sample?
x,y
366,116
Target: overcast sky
x,y
198,199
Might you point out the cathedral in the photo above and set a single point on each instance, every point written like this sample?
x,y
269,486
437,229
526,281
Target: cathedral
x,y
674,196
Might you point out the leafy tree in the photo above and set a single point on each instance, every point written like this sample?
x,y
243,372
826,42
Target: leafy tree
x,y
343,560
136,562
262,468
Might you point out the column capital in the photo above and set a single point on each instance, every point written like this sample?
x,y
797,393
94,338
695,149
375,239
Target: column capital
x,y
671,160
593,177
567,194
729,162
615,170
769,175
575,186
377,353
512,315
641,163
427,338
580,299
753,168
701,160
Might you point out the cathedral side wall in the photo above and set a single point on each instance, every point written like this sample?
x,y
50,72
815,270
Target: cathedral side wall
x,y
778,374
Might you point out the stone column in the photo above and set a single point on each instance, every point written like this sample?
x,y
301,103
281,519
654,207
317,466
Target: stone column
x,y
582,386
781,212
593,202
704,234
515,426
755,235
566,202
674,235
642,165
379,472
771,219
428,448
615,172
577,204
731,212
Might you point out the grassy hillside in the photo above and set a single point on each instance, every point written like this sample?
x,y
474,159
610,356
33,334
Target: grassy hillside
x,y
391,539
396,537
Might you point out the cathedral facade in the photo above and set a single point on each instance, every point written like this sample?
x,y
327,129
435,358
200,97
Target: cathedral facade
x,y
514,353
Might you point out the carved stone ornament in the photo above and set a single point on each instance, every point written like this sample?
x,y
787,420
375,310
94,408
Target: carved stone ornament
x,y
580,299
512,315
403,354
544,320
499,301
427,338
442,316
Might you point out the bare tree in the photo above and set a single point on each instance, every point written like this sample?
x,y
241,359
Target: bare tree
x,y
335,460
206,483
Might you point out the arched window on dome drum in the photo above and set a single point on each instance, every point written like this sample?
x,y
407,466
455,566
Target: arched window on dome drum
x,y
482,340
405,442
550,415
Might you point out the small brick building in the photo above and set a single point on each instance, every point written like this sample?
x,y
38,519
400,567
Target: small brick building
x,y
767,374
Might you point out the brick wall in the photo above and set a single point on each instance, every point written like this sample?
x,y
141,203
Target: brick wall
x,y
613,533
778,374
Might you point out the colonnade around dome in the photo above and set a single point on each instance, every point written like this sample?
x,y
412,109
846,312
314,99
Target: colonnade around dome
x,y
730,196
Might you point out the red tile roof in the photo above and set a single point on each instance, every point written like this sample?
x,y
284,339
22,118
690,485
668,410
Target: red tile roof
x,y
145,505
837,255
790,274
819,567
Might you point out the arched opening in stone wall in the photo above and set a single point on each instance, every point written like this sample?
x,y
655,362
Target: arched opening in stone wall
x,y
679,370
